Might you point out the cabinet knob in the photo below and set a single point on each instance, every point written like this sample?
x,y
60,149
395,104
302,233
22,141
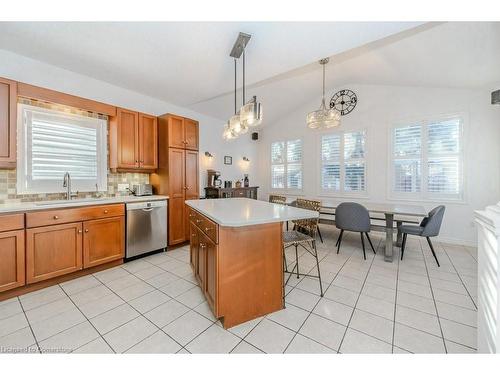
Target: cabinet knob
x,y
187,187
56,217
198,221
86,230
202,245
79,231
193,234
106,211
208,229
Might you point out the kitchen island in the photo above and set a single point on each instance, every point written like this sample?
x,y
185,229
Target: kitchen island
x,y
236,253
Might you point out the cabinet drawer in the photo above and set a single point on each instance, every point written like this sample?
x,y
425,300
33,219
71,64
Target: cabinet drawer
x,y
11,222
70,215
209,228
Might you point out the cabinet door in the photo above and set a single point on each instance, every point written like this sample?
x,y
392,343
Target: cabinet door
x,y
128,139
103,241
192,189
176,131
191,134
12,273
53,251
148,141
211,274
202,259
8,112
176,205
193,247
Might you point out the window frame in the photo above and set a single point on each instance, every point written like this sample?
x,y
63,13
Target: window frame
x,y
424,194
286,190
362,194
53,186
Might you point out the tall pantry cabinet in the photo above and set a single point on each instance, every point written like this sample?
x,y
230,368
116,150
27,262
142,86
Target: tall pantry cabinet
x,y
178,171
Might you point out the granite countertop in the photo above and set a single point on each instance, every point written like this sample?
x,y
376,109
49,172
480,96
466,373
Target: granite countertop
x,y
47,205
239,212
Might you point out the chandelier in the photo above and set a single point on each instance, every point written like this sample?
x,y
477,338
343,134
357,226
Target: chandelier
x,y
250,113
323,118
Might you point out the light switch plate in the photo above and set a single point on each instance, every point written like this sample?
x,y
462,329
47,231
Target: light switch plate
x,y
123,187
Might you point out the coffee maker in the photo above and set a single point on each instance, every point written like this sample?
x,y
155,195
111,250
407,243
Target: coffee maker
x,y
213,178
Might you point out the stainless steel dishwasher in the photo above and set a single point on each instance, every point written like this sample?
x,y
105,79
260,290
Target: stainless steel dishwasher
x,y
146,227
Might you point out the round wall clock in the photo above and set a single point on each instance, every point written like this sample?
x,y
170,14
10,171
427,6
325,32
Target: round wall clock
x,y
344,101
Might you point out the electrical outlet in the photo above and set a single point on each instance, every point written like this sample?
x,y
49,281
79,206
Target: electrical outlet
x,y
123,187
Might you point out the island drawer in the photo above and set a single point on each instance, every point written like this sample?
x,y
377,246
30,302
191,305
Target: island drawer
x,y
11,222
71,215
209,228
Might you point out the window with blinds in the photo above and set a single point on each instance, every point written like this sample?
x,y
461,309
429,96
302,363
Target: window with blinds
x,y
286,165
53,143
343,162
427,159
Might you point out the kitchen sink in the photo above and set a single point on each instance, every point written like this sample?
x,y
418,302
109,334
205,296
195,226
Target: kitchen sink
x,y
63,202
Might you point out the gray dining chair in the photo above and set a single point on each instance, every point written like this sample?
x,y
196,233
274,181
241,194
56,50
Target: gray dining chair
x,y
429,227
353,217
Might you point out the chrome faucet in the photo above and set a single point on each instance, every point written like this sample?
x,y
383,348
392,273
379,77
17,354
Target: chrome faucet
x,y
67,185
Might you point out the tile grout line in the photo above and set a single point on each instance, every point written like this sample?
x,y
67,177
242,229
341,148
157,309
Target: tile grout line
x,y
29,325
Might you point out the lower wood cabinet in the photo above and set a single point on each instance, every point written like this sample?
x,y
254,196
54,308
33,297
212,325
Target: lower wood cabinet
x,y
103,241
12,271
210,272
53,251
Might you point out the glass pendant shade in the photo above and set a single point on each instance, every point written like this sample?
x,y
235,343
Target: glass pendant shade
x,y
251,113
323,118
235,124
228,134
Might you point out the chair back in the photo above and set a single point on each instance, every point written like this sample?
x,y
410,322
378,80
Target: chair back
x,y
277,199
432,223
310,225
352,216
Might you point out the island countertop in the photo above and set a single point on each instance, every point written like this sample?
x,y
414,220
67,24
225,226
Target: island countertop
x,y
239,212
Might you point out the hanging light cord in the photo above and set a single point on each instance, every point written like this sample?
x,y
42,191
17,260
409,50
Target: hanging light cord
x,y
244,76
234,86
323,100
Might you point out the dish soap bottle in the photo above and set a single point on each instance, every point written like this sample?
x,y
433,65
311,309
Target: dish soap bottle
x,y
246,182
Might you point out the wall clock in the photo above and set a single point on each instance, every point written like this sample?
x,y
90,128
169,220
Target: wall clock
x,y
344,101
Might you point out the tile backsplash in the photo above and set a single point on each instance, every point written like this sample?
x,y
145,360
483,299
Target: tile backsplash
x,y
8,192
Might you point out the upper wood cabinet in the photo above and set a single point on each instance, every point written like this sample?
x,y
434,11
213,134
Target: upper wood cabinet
x,y
182,132
133,141
8,114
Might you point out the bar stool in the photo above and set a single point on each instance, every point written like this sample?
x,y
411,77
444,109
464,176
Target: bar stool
x,y
303,236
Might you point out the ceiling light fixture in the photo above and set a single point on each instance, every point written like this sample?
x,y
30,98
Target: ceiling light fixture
x,y
323,118
250,114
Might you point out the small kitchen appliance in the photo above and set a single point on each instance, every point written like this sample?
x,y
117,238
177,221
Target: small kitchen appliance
x,y
213,178
140,190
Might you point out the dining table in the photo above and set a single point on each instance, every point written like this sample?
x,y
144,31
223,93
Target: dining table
x,y
392,212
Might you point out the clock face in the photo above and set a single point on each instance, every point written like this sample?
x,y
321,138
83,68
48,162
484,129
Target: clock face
x,y
344,101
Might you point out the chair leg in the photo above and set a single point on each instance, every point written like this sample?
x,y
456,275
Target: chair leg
x,y
297,259
319,233
284,260
403,245
370,241
432,249
363,244
317,265
339,240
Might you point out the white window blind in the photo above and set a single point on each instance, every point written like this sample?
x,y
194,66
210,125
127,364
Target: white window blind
x,y
286,165
343,162
427,159
53,143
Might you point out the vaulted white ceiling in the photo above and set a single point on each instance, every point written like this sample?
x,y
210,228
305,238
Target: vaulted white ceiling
x,y
188,64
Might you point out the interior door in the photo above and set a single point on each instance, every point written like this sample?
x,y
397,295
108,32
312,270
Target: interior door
x,y
103,241
128,139
176,206
176,131
148,141
191,180
191,134
53,251
12,272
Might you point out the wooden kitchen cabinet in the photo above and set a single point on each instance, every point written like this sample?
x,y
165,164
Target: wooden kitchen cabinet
x,y
133,141
182,132
8,114
103,241
12,270
191,136
211,272
53,251
176,207
193,247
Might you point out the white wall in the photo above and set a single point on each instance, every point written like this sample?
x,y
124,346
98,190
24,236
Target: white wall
x,y
23,69
379,107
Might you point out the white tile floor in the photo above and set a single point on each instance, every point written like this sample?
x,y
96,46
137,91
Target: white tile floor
x,y
153,305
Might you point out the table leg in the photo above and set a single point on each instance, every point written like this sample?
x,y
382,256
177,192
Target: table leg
x,y
389,222
399,236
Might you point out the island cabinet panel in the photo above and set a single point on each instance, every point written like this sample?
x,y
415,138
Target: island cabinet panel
x,y
8,114
12,270
193,247
210,287
53,251
103,241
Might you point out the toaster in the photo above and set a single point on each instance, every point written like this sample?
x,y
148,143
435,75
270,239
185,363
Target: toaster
x,y
142,189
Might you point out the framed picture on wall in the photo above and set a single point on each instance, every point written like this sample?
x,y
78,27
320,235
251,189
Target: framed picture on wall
x,y
228,160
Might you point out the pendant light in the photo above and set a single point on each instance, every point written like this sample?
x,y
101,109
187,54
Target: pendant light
x,y
323,118
250,114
